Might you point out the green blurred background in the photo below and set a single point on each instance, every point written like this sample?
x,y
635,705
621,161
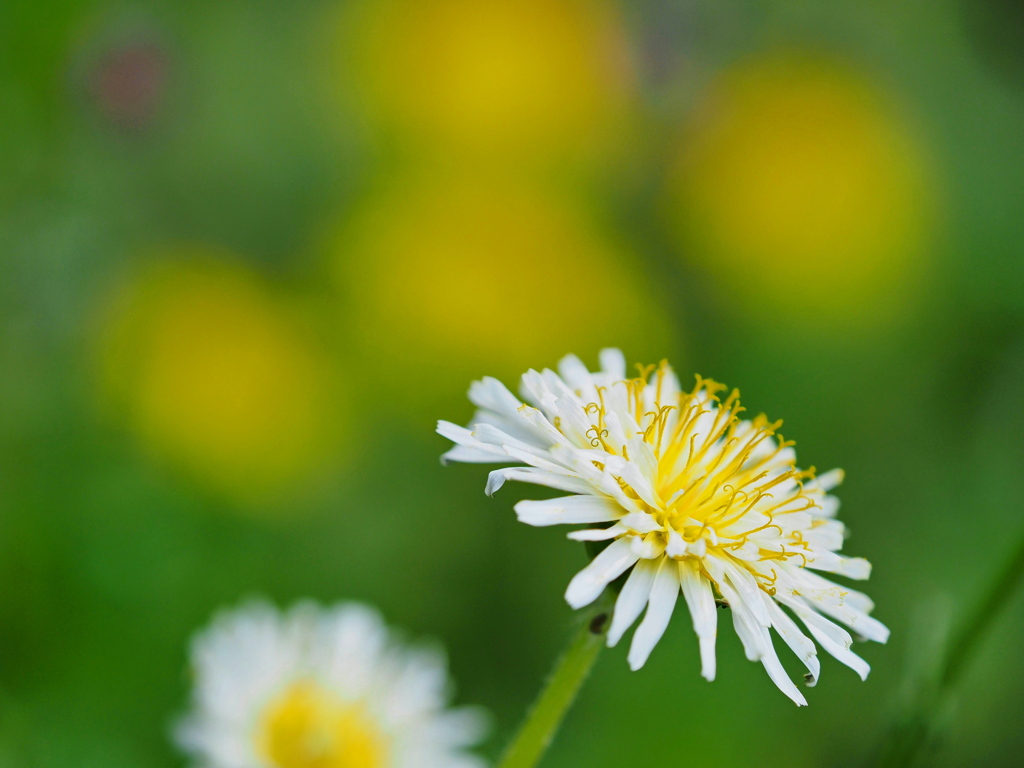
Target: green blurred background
x,y
251,251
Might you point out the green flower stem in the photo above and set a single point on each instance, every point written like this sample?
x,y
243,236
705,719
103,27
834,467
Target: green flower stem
x,y
559,692
905,743
965,644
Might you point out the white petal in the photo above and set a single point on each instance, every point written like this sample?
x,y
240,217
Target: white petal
x,y
577,377
465,438
568,510
537,423
834,600
700,599
664,593
749,592
648,547
611,563
599,534
532,387
641,522
455,433
865,626
850,567
632,599
828,506
462,727
498,477
826,534
492,433
639,482
834,639
486,434
850,597
809,617
617,401
676,544
543,388
466,455
613,363
777,672
616,434
610,485
788,521
641,454
574,421
538,459
746,626
797,641
829,480
491,394
841,654
859,601
512,424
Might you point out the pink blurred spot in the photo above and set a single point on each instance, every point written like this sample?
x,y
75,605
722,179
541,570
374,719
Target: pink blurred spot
x,y
128,84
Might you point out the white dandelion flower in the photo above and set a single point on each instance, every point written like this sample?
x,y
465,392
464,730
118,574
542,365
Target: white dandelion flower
x,y
320,688
692,499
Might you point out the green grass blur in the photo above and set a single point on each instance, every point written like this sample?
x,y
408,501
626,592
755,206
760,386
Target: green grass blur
x,y
250,252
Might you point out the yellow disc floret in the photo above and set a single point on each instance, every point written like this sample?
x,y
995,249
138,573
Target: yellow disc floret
x,y
310,727
714,472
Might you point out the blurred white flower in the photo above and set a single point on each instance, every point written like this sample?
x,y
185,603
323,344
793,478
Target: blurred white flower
x,y
320,688
693,499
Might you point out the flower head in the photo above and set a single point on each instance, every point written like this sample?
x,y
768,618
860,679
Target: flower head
x,y
692,498
320,688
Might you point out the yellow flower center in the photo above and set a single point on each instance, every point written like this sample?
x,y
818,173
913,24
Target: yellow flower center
x,y
310,727
720,481
718,477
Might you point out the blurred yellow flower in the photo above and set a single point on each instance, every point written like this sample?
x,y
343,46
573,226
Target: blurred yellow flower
x,y
215,375
459,274
801,190
494,76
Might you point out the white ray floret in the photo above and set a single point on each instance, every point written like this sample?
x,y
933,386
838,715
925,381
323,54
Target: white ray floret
x,y
690,498
320,687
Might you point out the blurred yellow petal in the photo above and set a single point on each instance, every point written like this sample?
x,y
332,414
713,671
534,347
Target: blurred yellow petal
x,y
457,274
801,190
216,375
494,76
